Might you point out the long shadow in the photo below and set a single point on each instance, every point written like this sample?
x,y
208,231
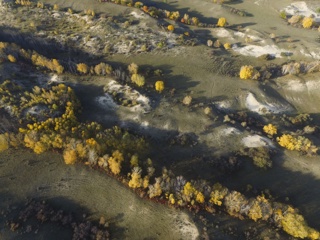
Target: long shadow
x,y
51,228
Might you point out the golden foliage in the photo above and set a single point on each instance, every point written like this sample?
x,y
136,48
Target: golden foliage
x,y
138,79
227,46
246,72
56,7
307,22
136,180
81,150
159,85
188,190
70,156
115,162
200,197
295,225
82,68
39,147
23,2
4,145
255,212
12,58
134,161
171,199
299,143
170,28
222,22
40,5
218,193
133,68
270,129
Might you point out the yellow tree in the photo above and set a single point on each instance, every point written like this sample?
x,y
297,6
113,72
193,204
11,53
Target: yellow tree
x,y
222,22
159,85
82,68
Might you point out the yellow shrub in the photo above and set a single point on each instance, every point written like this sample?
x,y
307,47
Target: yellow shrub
x,y
218,193
227,46
136,180
270,129
138,79
115,162
134,161
200,197
171,28
4,145
39,147
313,234
222,22
159,85
70,156
188,190
11,58
56,7
171,199
133,68
82,68
295,225
255,212
246,72
307,22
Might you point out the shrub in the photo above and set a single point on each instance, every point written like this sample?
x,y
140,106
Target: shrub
x,y
136,180
40,5
171,28
133,68
200,197
159,85
70,156
295,225
115,162
56,7
227,46
82,68
222,22
138,79
246,72
270,129
307,22
4,145
299,143
11,58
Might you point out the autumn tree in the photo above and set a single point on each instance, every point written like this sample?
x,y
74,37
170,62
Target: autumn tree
x,y
82,68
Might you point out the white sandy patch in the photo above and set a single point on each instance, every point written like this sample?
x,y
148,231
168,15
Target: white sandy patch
x,y
221,32
302,86
301,8
188,229
257,51
143,102
312,54
256,141
139,15
247,35
223,105
54,79
296,86
255,106
230,130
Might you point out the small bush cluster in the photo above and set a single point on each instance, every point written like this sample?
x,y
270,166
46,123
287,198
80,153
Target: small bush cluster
x,y
246,72
299,143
